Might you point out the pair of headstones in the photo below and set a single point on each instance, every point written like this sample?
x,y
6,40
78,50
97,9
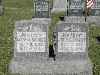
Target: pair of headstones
x,y
31,49
70,43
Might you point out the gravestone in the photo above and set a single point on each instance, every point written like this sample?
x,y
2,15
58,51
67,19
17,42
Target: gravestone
x,y
72,46
42,8
76,7
71,7
59,6
1,8
30,46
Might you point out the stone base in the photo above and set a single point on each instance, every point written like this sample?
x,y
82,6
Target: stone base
x,y
50,67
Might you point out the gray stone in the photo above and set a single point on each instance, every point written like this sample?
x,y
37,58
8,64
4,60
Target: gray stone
x,y
72,43
76,7
42,8
31,44
53,68
59,6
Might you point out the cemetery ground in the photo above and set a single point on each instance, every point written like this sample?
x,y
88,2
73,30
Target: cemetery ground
x,y
23,9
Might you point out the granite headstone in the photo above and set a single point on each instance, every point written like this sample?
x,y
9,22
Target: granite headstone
x,y
72,45
76,7
42,8
30,45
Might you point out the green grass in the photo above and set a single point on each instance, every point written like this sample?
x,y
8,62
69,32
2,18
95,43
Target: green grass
x,y
24,11
94,49
7,21
55,19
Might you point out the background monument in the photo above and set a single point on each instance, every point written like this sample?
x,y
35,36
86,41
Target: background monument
x,y
42,8
59,6
76,7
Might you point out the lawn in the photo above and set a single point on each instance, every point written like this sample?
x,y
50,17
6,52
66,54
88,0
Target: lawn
x,y
23,9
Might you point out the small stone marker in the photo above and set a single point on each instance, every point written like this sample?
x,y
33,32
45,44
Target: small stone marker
x,y
42,8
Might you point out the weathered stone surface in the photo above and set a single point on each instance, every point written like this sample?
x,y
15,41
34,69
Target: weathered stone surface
x,y
28,34
76,7
42,8
74,19
72,42
71,39
59,6
31,43
53,68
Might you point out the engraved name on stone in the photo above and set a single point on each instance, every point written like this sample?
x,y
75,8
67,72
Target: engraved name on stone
x,y
76,4
30,41
71,41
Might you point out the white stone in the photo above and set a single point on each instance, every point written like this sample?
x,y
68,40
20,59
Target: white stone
x,y
71,41
30,41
